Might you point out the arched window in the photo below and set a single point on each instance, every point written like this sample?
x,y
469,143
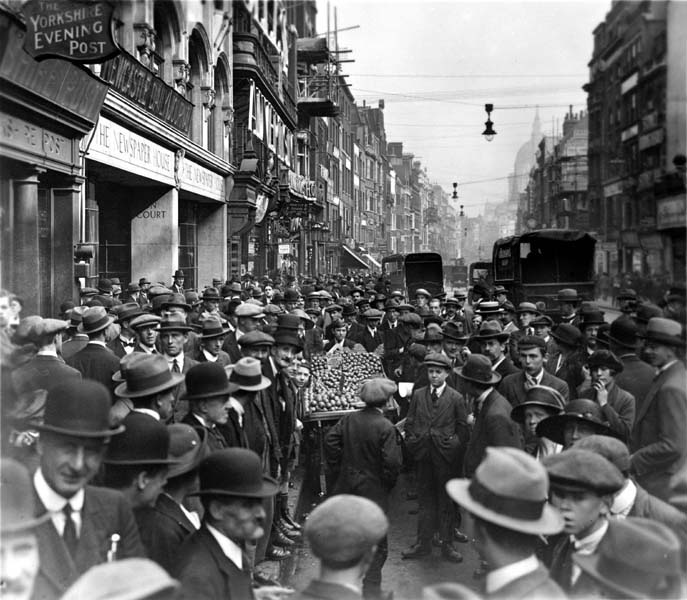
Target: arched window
x,y
222,119
167,38
202,95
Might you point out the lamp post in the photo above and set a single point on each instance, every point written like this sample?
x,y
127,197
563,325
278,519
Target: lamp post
x,y
489,132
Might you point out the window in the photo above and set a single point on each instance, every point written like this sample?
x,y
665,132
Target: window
x,y
188,242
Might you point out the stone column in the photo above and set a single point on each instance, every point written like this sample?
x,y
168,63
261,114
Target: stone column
x,y
155,239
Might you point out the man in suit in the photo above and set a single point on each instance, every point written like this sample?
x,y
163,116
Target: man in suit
x,y
363,452
340,338
504,536
74,341
173,335
145,327
178,282
212,563
84,520
248,318
532,352
212,337
637,375
492,425
567,362
568,301
436,434
96,361
494,345
659,436
370,337
542,328
125,342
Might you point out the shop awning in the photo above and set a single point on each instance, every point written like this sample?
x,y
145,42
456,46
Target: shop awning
x,y
351,260
372,260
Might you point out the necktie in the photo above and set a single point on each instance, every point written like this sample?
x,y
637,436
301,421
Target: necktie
x,y
69,533
530,331
175,366
435,396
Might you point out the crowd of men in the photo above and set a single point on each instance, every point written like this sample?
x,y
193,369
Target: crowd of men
x,y
150,437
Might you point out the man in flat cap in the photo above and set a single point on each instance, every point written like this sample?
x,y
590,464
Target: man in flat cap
x,y
145,327
507,498
436,434
370,337
85,522
343,533
248,318
582,487
363,452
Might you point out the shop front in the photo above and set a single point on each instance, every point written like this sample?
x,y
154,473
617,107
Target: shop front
x,y
671,224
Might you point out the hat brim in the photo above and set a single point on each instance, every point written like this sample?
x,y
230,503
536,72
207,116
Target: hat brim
x,y
553,427
81,434
518,412
624,344
663,339
123,391
186,307
24,525
182,328
110,320
590,565
191,460
502,337
495,377
268,488
263,385
214,335
549,523
209,396
141,461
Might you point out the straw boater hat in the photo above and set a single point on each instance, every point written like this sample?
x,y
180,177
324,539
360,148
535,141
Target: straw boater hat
x,y
510,489
246,375
488,307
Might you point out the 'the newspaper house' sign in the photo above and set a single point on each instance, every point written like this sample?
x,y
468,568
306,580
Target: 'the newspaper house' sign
x,y
78,30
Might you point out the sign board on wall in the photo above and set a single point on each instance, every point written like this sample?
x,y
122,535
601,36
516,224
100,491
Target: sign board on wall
x,y
78,31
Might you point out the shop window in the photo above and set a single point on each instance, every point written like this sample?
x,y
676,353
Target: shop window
x,y
188,242
45,249
114,234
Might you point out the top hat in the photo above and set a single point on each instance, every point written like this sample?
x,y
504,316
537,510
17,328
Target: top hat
x,y
636,557
581,410
527,307
605,358
18,498
539,395
437,359
145,441
477,369
179,274
206,380
664,331
147,376
174,322
176,300
509,488
247,375
212,328
187,447
211,293
79,408
377,390
623,332
95,319
567,295
488,307
234,472
567,334
491,329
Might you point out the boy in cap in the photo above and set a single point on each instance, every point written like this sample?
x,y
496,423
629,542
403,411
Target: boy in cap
x,y
145,327
363,452
507,498
344,532
582,488
436,434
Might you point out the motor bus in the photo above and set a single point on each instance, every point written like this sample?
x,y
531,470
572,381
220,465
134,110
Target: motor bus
x,y
410,272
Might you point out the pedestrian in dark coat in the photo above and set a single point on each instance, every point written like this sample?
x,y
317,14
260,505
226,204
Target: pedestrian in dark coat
x,y
568,360
637,375
363,452
370,336
125,342
492,425
212,337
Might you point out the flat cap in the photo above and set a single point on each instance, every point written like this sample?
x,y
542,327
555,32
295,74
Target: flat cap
x,y
344,527
144,320
437,359
255,338
411,319
531,341
576,470
372,313
612,449
35,328
377,390
334,308
249,310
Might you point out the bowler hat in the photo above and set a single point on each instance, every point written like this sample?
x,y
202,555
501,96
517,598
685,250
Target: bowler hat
x,y
179,274
646,311
211,293
95,319
287,337
145,441
377,390
247,375
255,338
567,334
344,527
575,470
612,449
125,579
187,447
206,380
605,358
79,408
509,488
234,472
477,369
437,359
580,410
18,498
147,376
174,322
212,328
105,286
488,307
527,307
178,300
594,317
664,331
636,558
291,295
567,295
127,311
452,332
144,320
491,329
539,395
623,332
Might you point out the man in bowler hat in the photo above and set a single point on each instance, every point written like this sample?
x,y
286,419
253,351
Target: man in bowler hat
x,y
85,522
178,282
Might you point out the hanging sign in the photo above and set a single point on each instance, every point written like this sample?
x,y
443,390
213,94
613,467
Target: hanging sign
x,y
78,31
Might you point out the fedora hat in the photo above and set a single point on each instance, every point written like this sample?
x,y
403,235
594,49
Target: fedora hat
x,y
206,380
567,295
79,408
488,307
491,329
211,293
580,410
145,441
178,300
125,363
452,332
234,472
477,369
212,328
179,274
147,376
509,488
187,446
18,499
174,322
95,319
304,316
567,334
247,375
377,390
527,307
634,559
605,358
127,311
433,334
664,331
539,395
623,332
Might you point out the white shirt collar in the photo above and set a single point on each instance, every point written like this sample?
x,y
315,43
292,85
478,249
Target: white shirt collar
x,y
180,360
666,366
498,362
147,349
587,546
440,389
54,503
148,411
536,379
52,352
624,500
191,515
501,577
210,357
98,343
229,548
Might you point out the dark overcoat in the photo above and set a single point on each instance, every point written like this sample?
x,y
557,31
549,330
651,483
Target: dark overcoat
x,y
619,412
513,387
96,362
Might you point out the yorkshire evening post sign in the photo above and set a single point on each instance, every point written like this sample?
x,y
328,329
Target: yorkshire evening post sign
x,y
79,31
